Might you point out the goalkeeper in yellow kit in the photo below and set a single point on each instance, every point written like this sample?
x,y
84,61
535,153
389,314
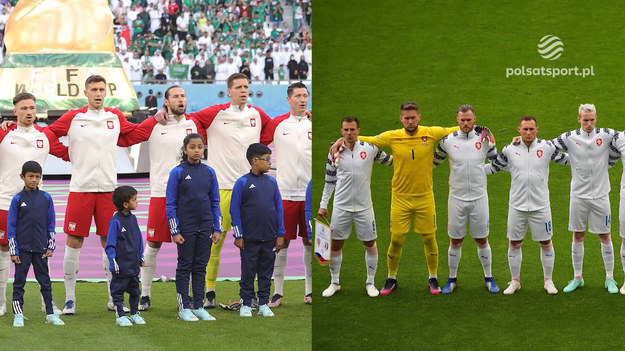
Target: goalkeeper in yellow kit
x,y
412,197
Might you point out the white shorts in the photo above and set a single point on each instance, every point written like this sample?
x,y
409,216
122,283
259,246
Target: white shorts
x,y
475,213
364,223
621,217
539,223
595,213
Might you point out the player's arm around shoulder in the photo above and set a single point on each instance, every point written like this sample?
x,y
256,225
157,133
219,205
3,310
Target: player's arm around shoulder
x,y
139,134
381,140
499,162
440,154
381,157
557,155
60,127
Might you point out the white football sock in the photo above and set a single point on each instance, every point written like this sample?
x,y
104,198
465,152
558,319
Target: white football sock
x,y
371,260
5,268
307,258
148,269
278,272
515,258
577,255
485,256
607,251
547,257
623,256
107,272
70,271
336,257
453,258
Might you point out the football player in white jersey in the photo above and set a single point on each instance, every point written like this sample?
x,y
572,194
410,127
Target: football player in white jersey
x,y
291,133
589,154
23,141
468,199
528,163
351,183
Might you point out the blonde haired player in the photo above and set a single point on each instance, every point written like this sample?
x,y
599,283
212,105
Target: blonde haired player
x,y
589,153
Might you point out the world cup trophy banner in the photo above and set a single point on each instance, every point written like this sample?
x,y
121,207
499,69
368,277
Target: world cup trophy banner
x,y
53,46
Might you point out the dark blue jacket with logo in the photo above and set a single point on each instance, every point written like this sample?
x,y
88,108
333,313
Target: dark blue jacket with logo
x,y
192,197
256,208
30,222
124,246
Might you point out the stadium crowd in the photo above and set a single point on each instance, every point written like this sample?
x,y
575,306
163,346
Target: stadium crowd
x,y
214,39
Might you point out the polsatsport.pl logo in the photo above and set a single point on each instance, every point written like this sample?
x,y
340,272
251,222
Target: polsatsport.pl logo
x,y
550,47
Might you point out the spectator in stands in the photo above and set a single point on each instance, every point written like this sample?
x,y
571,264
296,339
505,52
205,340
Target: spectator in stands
x,y
155,17
161,77
245,69
197,73
302,67
257,69
268,66
209,71
293,68
136,68
277,14
157,61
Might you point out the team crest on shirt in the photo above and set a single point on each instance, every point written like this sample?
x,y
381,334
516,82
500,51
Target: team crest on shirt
x,y
39,144
189,131
1,234
424,139
363,155
71,226
110,124
539,153
309,135
151,232
253,121
599,142
478,145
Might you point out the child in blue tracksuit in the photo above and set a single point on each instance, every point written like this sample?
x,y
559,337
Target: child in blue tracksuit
x,y
30,233
192,201
257,221
124,249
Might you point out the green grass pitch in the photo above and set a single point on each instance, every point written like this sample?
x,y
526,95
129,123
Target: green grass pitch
x,y
93,327
369,58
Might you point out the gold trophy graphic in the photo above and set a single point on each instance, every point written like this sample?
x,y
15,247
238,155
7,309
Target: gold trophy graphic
x,y
53,46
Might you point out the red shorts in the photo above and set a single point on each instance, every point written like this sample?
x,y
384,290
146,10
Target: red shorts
x,y
82,206
3,227
294,219
158,227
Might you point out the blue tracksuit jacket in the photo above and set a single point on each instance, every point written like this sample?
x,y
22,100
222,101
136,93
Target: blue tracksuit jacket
x,y
31,213
124,245
256,208
192,197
